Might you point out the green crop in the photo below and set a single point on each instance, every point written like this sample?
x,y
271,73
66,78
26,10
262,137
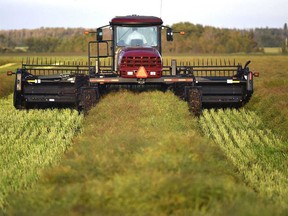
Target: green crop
x,y
30,141
258,154
141,154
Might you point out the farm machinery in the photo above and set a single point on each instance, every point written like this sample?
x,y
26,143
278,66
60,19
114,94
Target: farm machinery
x,y
131,58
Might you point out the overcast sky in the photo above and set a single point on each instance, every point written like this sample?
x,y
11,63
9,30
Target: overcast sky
x,y
19,14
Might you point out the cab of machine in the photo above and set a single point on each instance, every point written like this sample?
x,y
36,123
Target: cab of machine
x,y
137,31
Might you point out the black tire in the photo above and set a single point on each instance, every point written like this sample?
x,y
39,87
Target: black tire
x,y
195,102
179,90
88,100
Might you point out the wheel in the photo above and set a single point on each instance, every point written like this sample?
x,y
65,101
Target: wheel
x,y
88,99
195,102
179,90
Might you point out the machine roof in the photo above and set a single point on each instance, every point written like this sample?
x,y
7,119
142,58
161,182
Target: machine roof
x,y
136,20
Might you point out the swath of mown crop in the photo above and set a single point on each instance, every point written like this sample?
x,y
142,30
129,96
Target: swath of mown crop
x,y
140,154
260,156
29,142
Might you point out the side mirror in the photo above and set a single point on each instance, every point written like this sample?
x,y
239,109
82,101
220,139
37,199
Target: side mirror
x,y
99,34
169,34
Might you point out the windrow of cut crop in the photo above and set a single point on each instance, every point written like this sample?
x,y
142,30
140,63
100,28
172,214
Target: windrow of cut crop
x,y
260,156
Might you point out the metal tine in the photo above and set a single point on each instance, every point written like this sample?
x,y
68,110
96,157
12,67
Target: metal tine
x,y
224,62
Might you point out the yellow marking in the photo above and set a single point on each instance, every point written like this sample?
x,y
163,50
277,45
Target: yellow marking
x,y
178,80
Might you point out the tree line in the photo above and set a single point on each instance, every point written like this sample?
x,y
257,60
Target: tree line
x,y
197,39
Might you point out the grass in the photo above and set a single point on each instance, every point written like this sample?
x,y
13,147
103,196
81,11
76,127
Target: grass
x,y
142,154
252,148
6,86
6,83
145,158
271,92
31,141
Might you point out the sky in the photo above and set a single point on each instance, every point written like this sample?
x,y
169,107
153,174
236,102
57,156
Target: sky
x,y
240,14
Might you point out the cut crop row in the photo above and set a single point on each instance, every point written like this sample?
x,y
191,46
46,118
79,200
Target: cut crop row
x,y
31,140
258,155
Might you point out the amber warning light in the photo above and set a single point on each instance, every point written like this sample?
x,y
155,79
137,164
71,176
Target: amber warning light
x,y
256,74
180,32
10,73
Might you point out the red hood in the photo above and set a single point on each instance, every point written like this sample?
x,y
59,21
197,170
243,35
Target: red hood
x,y
131,58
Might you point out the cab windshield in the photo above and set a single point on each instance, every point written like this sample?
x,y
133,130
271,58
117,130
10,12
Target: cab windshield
x,y
136,36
